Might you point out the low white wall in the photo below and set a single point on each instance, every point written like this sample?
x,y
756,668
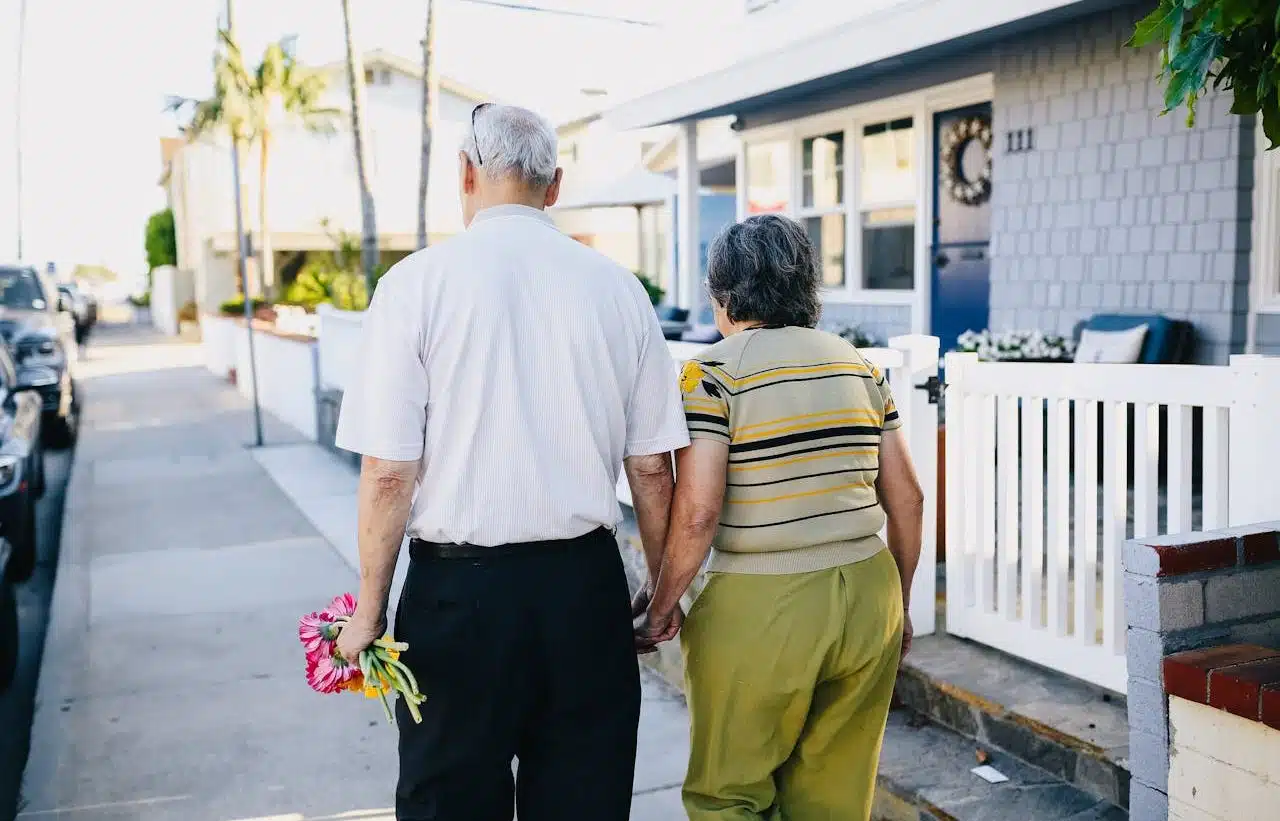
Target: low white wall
x,y
339,341
287,375
1221,767
171,288
218,343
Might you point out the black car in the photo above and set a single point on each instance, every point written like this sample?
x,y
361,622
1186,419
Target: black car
x,y
40,335
22,478
8,620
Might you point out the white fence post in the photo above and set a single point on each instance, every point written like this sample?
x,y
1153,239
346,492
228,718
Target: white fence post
x,y
958,484
1254,445
920,423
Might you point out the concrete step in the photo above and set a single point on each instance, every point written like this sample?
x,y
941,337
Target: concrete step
x,y
925,775
1071,730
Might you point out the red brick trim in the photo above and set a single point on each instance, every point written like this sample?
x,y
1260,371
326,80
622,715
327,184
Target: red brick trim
x,y
1192,558
1242,679
1261,547
1219,550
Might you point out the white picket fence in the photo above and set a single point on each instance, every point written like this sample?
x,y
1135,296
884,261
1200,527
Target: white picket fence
x,y
1036,522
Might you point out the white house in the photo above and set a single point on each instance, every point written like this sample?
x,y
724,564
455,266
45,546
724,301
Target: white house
x,y
312,178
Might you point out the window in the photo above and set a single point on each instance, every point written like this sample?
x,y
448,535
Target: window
x,y
768,177
822,201
886,205
368,76
855,190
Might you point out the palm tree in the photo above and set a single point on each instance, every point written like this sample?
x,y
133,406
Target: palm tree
x,y
368,219
281,89
428,111
252,104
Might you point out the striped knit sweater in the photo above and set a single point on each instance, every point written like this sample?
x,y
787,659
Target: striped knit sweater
x,y
802,413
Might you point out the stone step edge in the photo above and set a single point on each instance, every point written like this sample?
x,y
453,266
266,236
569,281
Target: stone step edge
x,y
1076,761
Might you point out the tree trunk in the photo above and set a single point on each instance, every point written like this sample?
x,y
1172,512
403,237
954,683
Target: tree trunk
x,y
368,220
428,110
267,266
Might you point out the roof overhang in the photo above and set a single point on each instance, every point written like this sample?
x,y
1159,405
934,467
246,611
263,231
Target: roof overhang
x,y
881,40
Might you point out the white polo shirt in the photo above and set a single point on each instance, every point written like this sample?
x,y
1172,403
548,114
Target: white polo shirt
x,y
521,367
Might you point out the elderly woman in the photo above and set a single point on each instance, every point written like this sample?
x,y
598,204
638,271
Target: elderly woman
x,y
792,647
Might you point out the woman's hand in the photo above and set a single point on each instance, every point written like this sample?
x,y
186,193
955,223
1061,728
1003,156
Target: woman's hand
x,y
908,633
657,628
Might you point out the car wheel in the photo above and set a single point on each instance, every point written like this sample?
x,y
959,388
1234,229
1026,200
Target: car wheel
x,y
8,635
23,561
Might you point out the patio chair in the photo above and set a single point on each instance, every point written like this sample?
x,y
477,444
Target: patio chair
x,y
674,321
1168,341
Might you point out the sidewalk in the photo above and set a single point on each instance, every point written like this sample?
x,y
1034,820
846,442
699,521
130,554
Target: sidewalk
x,y
172,682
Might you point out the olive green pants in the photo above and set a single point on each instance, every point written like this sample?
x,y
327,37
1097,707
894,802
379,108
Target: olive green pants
x,y
789,680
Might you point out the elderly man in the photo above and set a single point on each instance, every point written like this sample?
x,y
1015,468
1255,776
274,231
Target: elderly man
x,y
509,373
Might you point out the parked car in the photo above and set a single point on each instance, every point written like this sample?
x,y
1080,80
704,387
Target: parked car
x,y
40,338
22,476
8,620
83,307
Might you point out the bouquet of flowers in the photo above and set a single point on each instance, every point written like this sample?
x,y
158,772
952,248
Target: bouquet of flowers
x,y
1016,346
380,674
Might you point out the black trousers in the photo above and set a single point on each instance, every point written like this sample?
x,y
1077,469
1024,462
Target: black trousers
x,y
526,655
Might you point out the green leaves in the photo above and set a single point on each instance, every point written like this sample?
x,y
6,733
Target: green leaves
x,y
1233,43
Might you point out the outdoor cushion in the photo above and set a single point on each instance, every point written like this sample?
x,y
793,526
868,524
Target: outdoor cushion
x,y
1111,347
1168,341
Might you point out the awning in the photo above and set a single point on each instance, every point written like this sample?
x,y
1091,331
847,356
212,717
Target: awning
x,y
879,39
638,187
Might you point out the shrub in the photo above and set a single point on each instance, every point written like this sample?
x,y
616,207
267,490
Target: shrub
x,y
235,305
654,290
856,337
140,300
161,239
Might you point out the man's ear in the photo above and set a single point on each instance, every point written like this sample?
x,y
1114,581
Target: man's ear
x,y
468,173
553,190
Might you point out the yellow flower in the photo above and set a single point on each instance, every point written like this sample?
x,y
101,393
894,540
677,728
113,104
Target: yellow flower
x,y
370,692
394,655
690,376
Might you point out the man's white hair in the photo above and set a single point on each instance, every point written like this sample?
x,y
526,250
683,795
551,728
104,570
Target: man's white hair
x,y
513,142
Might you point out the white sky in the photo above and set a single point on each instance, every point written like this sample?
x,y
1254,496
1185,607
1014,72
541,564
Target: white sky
x,y
96,75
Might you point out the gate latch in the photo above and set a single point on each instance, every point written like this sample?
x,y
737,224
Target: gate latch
x,y
932,386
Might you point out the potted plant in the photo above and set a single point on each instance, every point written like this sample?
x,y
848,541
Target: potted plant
x,y
189,322
855,336
1016,346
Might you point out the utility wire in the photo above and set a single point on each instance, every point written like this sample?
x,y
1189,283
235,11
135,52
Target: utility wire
x,y
566,12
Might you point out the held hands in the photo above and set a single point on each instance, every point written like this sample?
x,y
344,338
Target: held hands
x,y
653,628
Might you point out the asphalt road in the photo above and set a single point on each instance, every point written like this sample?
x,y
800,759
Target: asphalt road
x,y
17,704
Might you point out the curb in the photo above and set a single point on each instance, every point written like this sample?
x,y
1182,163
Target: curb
x,y
65,655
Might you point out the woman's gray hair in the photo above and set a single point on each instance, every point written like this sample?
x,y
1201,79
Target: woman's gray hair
x,y
764,269
513,142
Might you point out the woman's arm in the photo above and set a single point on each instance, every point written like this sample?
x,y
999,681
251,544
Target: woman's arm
x,y
903,503
701,469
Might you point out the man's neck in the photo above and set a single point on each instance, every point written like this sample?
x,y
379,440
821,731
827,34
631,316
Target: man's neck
x,y
513,195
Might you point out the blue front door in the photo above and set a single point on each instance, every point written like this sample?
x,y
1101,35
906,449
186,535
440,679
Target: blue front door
x,y
961,279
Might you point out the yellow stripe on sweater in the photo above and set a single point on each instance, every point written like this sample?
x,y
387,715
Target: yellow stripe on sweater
x,y
851,418
843,367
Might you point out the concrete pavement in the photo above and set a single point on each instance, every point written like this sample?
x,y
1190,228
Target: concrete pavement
x,y
172,683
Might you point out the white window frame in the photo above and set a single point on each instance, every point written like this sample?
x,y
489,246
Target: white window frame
x,y
920,106
796,200
1265,273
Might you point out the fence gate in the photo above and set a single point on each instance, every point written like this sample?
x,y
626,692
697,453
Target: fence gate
x,y
1051,467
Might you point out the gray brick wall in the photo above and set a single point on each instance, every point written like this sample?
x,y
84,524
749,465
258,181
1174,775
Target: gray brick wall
x,y
1117,209
878,321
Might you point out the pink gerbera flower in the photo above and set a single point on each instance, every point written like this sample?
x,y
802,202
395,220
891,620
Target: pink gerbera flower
x,y
317,632
341,607
330,674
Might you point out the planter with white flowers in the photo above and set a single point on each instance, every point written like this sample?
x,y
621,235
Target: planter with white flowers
x,y
1016,346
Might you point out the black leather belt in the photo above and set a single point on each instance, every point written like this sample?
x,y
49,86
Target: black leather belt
x,y
419,549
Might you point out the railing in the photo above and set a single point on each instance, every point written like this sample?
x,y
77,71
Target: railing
x,y
1050,468
907,363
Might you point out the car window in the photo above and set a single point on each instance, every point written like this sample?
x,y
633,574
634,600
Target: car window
x,y
19,288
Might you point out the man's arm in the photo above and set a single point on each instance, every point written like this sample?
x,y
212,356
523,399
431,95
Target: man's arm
x,y
903,502
652,482
701,469
384,499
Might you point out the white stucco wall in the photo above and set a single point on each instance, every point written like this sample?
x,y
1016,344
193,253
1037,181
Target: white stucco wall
x,y
1221,767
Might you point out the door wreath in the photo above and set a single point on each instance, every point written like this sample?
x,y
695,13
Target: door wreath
x,y
954,140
